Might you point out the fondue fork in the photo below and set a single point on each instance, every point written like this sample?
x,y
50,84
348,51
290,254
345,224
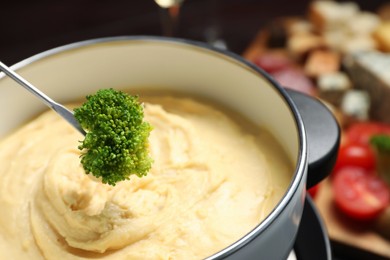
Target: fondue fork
x,y
60,109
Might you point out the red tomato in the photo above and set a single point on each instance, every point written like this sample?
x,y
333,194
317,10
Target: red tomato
x,y
359,194
362,132
313,190
356,154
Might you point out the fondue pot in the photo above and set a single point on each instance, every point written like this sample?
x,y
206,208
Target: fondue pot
x,y
304,127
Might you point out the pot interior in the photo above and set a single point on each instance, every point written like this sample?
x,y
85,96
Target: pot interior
x,y
71,72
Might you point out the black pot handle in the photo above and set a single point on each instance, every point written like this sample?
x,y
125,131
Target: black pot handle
x,y
323,135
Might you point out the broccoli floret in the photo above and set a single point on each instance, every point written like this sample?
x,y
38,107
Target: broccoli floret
x,y
116,141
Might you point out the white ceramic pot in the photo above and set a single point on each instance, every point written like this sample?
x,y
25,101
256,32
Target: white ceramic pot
x,y
73,71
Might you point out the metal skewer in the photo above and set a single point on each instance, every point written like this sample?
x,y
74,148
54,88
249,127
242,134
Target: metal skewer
x,y
60,109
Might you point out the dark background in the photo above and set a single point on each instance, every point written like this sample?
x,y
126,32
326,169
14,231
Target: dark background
x,y
29,27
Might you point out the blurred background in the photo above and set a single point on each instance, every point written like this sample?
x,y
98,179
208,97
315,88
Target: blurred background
x,y
30,27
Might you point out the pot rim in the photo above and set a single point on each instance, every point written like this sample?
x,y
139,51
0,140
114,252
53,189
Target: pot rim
x,y
301,165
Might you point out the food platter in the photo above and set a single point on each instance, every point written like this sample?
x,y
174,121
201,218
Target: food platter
x,y
350,238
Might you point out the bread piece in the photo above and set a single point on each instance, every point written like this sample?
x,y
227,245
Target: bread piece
x,y
358,43
382,35
322,62
334,38
301,44
363,23
299,26
331,14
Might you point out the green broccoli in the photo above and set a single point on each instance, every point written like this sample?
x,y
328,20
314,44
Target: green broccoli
x,y
381,142
116,141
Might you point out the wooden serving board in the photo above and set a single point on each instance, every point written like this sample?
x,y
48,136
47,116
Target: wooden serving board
x,y
346,232
355,238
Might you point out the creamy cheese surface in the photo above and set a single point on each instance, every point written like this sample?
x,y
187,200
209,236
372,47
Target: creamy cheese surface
x,y
211,183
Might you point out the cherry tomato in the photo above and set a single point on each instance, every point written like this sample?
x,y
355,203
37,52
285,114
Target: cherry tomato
x,y
359,194
356,154
361,132
313,190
